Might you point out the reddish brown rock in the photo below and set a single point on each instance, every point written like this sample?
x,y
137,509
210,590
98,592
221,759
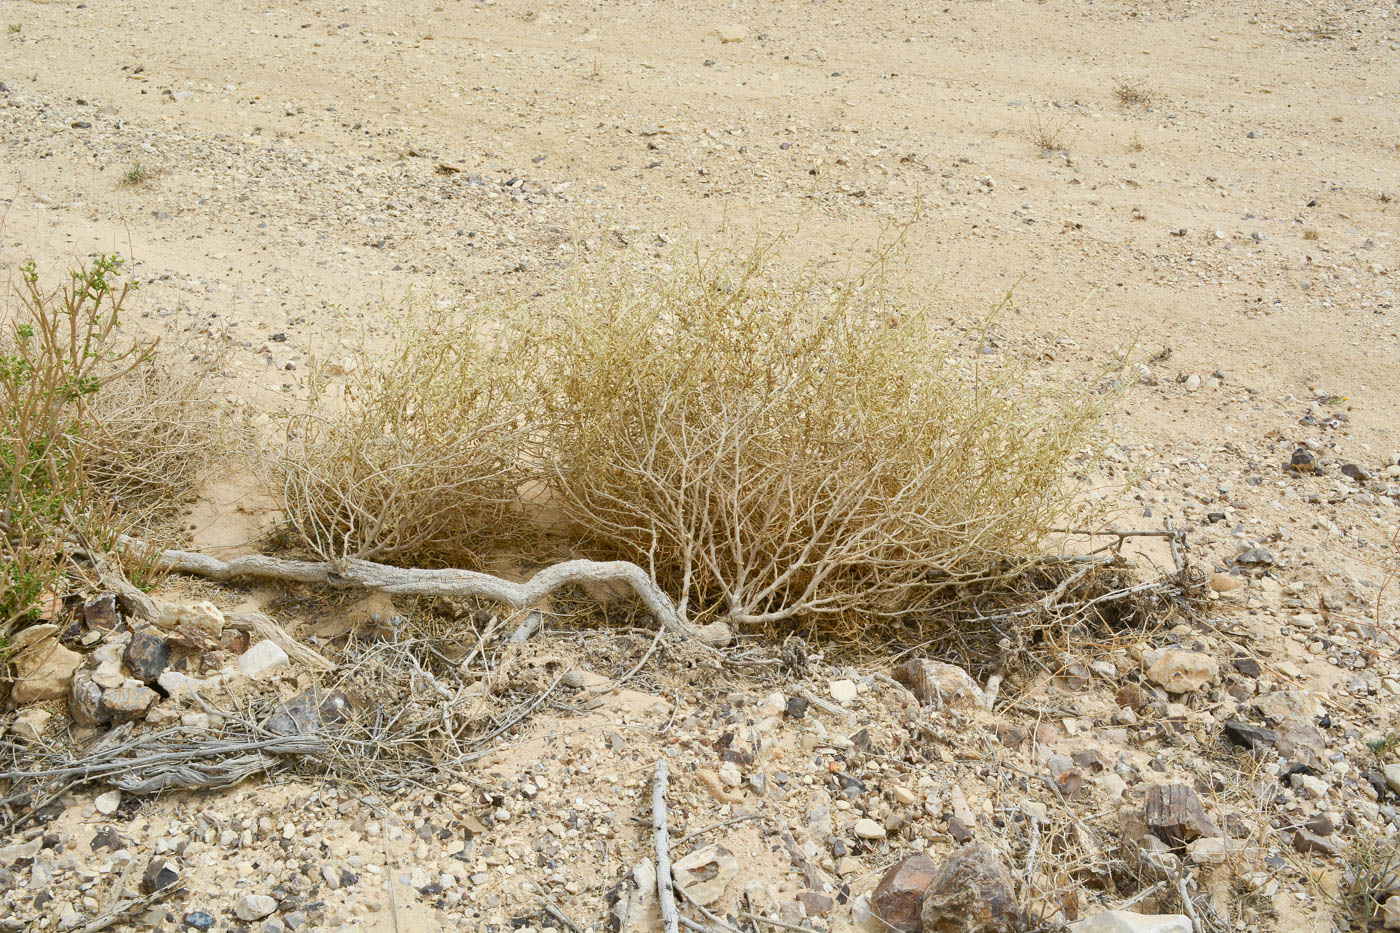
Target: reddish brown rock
x,y
899,896
972,892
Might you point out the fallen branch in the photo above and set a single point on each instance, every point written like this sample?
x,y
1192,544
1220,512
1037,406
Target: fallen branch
x,y
665,889
126,909
404,581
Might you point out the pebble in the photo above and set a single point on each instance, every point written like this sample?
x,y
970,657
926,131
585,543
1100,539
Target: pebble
x,y
108,803
867,828
252,907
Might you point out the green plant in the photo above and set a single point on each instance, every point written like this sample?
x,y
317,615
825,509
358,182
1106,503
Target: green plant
x,y
1385,745
139,174
795,455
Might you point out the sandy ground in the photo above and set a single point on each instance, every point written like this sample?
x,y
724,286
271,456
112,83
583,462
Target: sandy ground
x,y
278,172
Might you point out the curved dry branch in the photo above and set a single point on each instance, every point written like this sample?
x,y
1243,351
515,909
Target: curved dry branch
x,y
406,581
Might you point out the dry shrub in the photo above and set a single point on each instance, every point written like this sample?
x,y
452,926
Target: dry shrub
x,y
420,457
809,456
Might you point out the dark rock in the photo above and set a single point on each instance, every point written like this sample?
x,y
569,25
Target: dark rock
x,y
348,878
100,613
198,920
1175,815
107,838
972,892
958,830
1319,825
1247,666
814,904
1356,472
309,712
899,897
796,708
794,653
147,655
85,702
1130,696
1250,736
1303,461
159,874
1310,843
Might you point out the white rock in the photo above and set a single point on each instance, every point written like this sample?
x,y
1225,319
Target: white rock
x,y
843,691
252,907
174,683
43,668
1211,850
205,617
867,828
1392,777
730,775
705,873
1193,382
1125,921
107,803
29,725
1181,671
262,659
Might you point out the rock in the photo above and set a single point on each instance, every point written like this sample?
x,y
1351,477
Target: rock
x,y
195,618
85,702
1356,472
940,684
971,892
1390,914
199,920
146,656
1255,557
1174,814
128,703
262,659
1125,921
898,898
632,903
1192,382
796,707
1301,742
309,712
1309,842
704,873
159,874
1247,666
43,668
100,613
843,691
29,725
1225,582
1250,736
1181,671
21,851
252,907
1287,704
1302,461
1392,777
108,675
108,803
1208,850
1319,824
814,904
175,683
867,828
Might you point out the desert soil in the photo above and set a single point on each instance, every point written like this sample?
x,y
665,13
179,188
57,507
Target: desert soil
x,y
1209,187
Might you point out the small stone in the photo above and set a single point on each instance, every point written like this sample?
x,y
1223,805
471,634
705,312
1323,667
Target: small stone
x,y
252,907
1302,461
1192,382
1392,777
1255,557
1180,671
940,684
1225,582
729,773
100,613
843,691
1300,741
203,618
704,873
1319,824
1307,842
1125,921
959,830
899,896
1174,814
146,656
85,702
796,707
199,920
159,874
1247,666
814,904
1249,736
126,704
29,725
108,803
971,892
904,795
1356,472
1390,913
867,828
1208,850
262,659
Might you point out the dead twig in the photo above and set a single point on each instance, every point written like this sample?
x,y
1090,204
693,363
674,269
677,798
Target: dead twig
x,y
665,889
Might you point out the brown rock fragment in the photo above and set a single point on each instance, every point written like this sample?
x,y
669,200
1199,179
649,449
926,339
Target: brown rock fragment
x,y
898,898
1175,815
972,892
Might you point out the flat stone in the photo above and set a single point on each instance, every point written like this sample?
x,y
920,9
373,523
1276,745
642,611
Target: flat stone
x,y
1125,921
972,892
44,669
159,874
1225,582
128,703
85,702
814,904
29,725
108,803
100,613
705,873
898,898
843,691
308,712
1308,842
1250,736
1301,742
940,684
147,655
867,828
202,618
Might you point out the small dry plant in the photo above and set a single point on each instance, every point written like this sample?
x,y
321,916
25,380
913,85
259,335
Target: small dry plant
x,y
1049,134
94,437
1134,94
420,456
801,456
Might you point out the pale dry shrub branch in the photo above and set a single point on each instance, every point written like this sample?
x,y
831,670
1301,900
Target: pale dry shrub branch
x,y
419,455
796,455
